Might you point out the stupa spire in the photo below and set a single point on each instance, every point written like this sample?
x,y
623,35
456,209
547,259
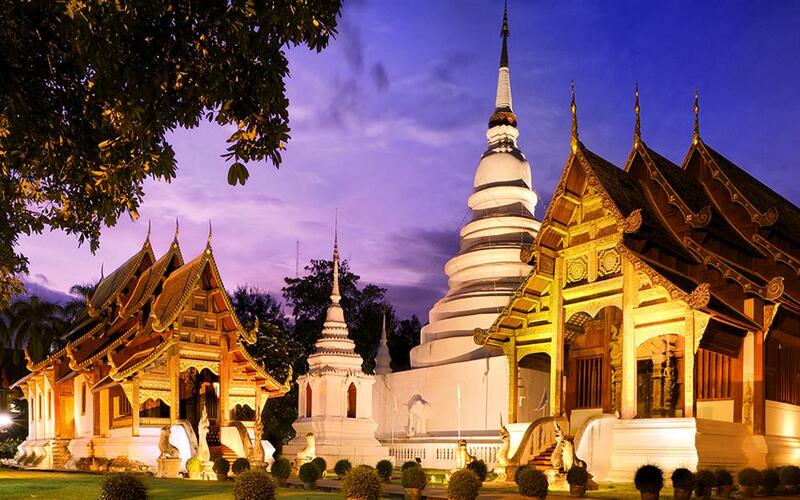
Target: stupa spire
x,y
335,296
383,359
503,99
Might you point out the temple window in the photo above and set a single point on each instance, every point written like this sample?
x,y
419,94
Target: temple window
x,y
782,371
351,401
39,405
83,398
50,404
714,373
308,400
123,406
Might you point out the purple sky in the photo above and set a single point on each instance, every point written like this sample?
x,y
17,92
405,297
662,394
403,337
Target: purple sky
x,y
388,125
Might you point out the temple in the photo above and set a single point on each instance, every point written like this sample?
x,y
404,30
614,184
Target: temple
x,y
157,346
664,301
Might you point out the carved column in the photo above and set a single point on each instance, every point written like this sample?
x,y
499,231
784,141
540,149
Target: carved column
x,y
135,407
174,386
513,379
690,343
557,342
630,290
224,380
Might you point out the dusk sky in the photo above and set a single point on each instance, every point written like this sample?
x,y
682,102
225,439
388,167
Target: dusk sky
x,y
388,125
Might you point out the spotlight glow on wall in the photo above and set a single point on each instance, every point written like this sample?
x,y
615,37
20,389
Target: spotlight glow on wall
x,y
5,420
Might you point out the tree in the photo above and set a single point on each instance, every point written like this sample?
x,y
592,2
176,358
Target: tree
x,y
402,340
275,350
35,324
309,297
90,88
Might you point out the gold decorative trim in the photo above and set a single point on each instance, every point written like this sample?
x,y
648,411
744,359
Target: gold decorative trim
x,y
774,288
527,254
116,375
700,296
480,336
632,222
199,365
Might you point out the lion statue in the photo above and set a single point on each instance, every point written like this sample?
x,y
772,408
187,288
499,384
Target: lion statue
x,y
463,458
165,447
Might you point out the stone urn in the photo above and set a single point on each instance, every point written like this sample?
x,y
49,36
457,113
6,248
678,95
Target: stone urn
x,y
649,495
747,491
679,494
413,493
725,491
310,486
577,490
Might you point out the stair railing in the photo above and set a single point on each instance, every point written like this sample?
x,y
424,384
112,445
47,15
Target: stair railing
x,y
539,436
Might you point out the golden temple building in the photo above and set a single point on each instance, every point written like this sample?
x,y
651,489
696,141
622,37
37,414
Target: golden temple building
x,y
157,346
664,302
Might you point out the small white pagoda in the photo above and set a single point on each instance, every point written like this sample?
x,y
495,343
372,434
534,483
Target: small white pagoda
x,y
335,396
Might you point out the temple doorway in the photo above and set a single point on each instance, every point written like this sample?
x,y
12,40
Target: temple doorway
x,y
533,386
659,377
199,390
593,361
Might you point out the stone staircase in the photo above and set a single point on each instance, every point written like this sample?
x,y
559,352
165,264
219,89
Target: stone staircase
x,y
542,460
59,453
223,451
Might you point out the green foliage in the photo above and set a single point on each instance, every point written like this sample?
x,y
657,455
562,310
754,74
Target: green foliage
x,y
240,465
221,466
683,479
705,481
321,464
790,475
342,467
479,468
123,487
649,479
531,482
770,480
578,476
282,468
254,485
414,477
723,478
362,482
520,469
384,469
9,445
409,464
464,485
91,88
309,473
194,464
747,477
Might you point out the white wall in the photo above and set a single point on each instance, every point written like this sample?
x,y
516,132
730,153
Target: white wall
x,y
782,419
84,421
721,410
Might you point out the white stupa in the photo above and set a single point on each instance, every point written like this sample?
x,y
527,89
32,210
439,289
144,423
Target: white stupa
x,y
487,269
335,396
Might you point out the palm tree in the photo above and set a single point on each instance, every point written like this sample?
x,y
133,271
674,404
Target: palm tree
x,y
82,293
34,323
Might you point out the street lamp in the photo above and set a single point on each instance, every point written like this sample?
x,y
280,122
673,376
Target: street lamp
x,y
5,420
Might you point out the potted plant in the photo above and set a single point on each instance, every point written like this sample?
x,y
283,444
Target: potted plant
x,y
410,463
464,485
749,479
414,481
770,480
683,482
221,468
309,475
532,483
790,478
649,480
253,484
362,483
384,469
479,468
578,478
705,482
321,464
281,470
724,481
194,466
342,467
240,465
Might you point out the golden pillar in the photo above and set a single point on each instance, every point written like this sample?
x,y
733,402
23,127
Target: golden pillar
x,y
557,343
174,386
630,290
135,407
513,380
690,340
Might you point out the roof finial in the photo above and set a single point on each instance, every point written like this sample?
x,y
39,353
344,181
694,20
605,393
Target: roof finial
x,y
147,238
177,230
637,127
102,271
504,33
574,109
335,291
696,132
208,242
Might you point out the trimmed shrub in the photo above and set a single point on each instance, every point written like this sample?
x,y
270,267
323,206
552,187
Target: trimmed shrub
x,y
723,478
221,466
362,482
282,468
254,485
578,476
384,468
479,468
749,477
705,480
464,485
309,473
240,465
649,479
194,464
683,479
321,464
770,480
123,486
531,482
790,475
520,469
414,477
342,467
409,464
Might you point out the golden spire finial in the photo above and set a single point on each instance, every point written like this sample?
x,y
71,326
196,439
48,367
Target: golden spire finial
x,y
177,231
335,291
696,132
102,271
637,126
149,226
574,110
208,241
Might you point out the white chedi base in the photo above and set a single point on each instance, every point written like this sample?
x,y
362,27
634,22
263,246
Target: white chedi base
x,y
338,438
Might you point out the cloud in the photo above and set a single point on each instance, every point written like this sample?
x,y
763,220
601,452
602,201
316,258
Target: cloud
x,y
352,45
379,77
